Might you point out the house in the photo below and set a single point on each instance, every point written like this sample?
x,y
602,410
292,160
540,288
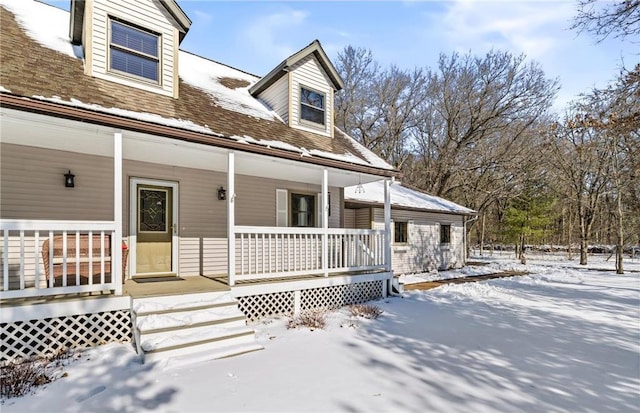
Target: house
x,y
155,196
428,232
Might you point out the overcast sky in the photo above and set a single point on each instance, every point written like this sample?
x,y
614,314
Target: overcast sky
x,y
257,35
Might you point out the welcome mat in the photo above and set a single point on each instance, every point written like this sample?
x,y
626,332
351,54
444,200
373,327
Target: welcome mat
x,y
157,279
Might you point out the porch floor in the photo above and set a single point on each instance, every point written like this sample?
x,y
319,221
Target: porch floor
x,y
175,285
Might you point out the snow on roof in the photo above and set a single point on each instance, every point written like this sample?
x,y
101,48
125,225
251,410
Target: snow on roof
x,y
228,87
404,197
143,116
206,75
47,25
371,157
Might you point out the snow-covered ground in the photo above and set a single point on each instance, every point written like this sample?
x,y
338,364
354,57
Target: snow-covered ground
x,y
559,339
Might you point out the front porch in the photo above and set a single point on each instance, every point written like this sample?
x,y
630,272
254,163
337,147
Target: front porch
x,y
267,230
31,267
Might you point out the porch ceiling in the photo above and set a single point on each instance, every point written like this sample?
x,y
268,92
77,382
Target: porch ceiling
x,y
68,135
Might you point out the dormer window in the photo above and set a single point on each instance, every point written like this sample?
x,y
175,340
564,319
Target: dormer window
x,y
312,106
134,52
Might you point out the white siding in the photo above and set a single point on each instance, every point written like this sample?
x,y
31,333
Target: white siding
x,y
349,218
309,73
144,13
363,219
423,251
277,97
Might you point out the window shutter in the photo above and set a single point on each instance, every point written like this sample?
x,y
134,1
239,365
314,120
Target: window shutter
x,y
281,207
409,229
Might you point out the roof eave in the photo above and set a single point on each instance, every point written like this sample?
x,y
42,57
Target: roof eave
x,y
106,119
77,19
359,203
178,15
314,48
322,57
271,77
76,22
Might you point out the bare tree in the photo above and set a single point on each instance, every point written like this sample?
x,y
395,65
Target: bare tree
x,y
378,107
603,18
580,159
614,113
476,119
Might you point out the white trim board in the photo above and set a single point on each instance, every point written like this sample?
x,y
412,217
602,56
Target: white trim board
x,y
133,225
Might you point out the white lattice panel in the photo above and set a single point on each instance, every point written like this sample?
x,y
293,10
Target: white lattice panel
x,y
338,296
41,338
258,306
283,303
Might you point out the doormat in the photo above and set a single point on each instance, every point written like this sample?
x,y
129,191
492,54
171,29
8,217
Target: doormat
x,y
157,279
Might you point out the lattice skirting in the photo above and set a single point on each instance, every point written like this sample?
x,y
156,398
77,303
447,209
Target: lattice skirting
x,y
340,295
289,302
263,305
41,338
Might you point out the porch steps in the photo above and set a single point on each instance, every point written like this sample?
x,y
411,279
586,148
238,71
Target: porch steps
x,y
194,327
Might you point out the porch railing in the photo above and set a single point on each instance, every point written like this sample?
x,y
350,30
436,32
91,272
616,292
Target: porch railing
x,y
276,252
79,255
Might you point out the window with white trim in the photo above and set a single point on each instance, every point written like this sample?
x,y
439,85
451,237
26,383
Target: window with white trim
x,y
134,52
303,210
400,232
312,106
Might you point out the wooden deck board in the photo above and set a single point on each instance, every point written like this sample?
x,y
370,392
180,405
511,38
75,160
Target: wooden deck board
x,y
177,285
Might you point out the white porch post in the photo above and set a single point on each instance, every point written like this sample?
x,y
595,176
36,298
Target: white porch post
x,y
325,222
231,220
387,224
116,250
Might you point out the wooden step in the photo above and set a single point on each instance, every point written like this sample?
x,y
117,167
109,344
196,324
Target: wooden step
x,y
191,326
182,316
197,344
192,329
207,355
146,305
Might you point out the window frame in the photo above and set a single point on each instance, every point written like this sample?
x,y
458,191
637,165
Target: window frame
x,y
445,240
123,49
312,211
310,122
396,227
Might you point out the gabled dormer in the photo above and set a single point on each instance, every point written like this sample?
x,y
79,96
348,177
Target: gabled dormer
x,y
301,88
132,42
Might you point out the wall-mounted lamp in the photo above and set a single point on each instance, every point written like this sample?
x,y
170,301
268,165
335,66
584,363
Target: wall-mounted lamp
x,y
222,194
68,180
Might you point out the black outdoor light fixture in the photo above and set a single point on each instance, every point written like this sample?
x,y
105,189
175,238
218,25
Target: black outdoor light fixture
x,y
68,180
222,194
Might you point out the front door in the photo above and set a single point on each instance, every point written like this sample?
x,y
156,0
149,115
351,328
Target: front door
x,y
154,228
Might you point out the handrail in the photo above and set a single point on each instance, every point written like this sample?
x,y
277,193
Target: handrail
x,y
28,271
305,230
55,225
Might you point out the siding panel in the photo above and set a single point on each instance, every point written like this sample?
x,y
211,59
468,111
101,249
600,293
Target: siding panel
x,y
423,251
277,96
309,73
146,14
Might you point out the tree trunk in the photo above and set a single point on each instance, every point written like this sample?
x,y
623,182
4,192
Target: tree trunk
x,y
583,251
569,240
620,237
482,236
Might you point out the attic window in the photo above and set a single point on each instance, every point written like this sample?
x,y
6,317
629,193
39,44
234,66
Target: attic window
x,y
311,106
134,51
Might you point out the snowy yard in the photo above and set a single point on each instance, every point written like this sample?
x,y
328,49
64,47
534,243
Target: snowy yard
x,y
560,339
